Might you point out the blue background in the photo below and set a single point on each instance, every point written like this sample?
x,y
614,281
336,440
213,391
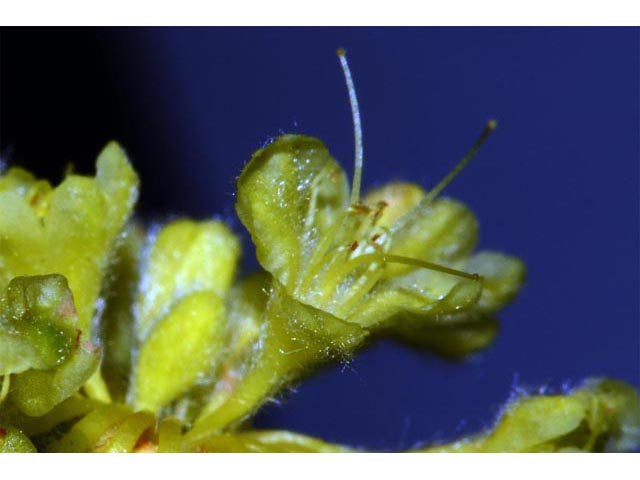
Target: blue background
x,y
557,183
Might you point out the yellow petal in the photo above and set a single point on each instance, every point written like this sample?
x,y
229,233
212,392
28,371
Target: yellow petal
x,y
289,194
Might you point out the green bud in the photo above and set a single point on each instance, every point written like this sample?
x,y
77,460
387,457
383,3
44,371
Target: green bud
x,y
602,416
185,257
70,230
181,320
181,350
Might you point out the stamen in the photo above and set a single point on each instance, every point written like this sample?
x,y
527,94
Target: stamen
x,y
431,266
491,126
357,127
339,271
360,289
316,261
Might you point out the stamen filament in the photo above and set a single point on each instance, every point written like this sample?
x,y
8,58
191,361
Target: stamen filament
x,y
491,126
344,268
341,270
357,127
316,262
358,291
431,266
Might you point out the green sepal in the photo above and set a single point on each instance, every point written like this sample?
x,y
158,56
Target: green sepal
x,y
246,304
50,358
36,392
13,440
92,432
266,441
37,324
170,438
73,407
464,320
129,435
295,338
453,336
117,323
422,294
108,428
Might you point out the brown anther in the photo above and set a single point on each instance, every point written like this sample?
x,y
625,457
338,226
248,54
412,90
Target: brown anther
x,y
375,237
354,245
360,208
67,308
380,206
34,200
228,379
77,342
145,445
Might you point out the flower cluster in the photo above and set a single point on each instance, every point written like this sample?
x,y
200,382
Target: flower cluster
x,y
118,337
